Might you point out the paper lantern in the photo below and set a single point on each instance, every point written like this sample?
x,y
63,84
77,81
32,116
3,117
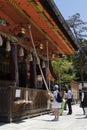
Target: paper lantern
x,y
1,41
21,51
8,46
43,64
41,46
29,58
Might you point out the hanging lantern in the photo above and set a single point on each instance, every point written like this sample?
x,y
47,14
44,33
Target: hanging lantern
x,y
8,46
1,41
29,58
43,64
21,51
23,30
53,56
41,46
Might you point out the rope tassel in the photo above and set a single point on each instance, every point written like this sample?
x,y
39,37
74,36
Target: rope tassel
x,y
38,60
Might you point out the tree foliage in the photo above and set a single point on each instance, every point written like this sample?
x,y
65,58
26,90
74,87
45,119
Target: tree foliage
x,y
63,69
78,26
80,63
73,67
79,29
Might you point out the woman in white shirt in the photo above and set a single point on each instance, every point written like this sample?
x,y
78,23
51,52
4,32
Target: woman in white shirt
x,y
55,104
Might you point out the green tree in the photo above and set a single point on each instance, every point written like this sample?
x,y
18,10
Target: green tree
x,y
79,29
80,63
63,69
78,26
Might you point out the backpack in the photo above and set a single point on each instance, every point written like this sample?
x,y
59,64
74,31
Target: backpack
x,y
59,98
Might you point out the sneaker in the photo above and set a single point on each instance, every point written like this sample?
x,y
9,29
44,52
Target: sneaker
x,y
85,117
69,113
55,119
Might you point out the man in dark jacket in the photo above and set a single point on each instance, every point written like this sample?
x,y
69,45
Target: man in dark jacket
x,y
84,99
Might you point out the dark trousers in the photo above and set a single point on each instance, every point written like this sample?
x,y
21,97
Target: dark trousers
x,y
69,101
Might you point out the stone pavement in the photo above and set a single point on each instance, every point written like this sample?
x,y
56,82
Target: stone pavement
x,y
76,121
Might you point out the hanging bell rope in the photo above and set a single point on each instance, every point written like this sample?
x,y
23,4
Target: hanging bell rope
x,y
48,63
38,60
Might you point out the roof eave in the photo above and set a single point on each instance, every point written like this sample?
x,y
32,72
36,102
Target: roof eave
x,y
52,9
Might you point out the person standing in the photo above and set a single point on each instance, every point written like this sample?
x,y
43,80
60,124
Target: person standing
x,y
84,100
65,97
63,104
69,100
55,104
81,96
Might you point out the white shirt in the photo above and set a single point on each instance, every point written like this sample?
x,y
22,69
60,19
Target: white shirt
x,y
69,94
82,96
55,95
55,104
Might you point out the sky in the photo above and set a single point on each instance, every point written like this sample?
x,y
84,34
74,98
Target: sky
x,y
71,7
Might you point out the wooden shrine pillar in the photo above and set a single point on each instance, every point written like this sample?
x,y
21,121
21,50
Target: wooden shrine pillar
x,y
14,64
33,74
